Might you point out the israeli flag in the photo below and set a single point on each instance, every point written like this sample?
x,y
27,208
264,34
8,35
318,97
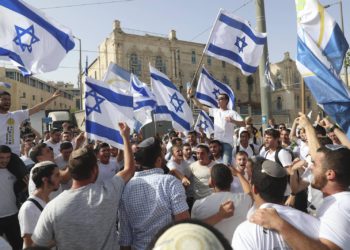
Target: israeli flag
x,y
5,85
31,40
105,107
319,61
270,82
171,105
204,123
117,75
208,90
232,40
144,102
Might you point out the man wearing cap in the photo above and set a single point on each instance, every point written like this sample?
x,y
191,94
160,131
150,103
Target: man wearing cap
x,y
85,216
225,121
150,200
10,121
331,176
268,182
46,178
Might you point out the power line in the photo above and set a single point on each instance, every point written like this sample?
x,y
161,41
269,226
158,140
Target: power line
x,y
85,4
201,33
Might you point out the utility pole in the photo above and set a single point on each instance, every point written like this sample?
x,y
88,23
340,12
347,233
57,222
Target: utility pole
x,y
80,77
265,94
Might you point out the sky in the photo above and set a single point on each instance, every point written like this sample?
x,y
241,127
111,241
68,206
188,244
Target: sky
x,y
192,20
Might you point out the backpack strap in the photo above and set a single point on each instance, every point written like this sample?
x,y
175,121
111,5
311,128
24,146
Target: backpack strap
x,y
37,204
252,147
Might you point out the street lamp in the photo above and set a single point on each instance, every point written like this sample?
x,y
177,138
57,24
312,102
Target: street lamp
x,y
342,28
80,74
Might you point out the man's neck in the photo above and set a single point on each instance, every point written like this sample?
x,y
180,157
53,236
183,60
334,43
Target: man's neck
x,y
43,194
218,190
81,183
245,144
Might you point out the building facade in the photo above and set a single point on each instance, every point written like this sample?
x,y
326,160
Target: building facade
x,y
26,92
286,100
176,58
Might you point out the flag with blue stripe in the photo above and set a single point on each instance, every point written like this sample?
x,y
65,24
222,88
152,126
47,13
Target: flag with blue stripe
x,y
208,90
105,107
270,82
31,40
321,50
204,123
117,75
144,102
5,85
233,40
171,105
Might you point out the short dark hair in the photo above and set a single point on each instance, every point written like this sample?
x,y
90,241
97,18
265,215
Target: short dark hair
x,y
215,142
272,132
81,164
222,176
203,146
39,172
66,145
100,146
338,161
5,149
320,130
37,151
186,145
242,153
54,130
3,92
192,132
147,156
324,140
271,189
175,140
286,129
225,95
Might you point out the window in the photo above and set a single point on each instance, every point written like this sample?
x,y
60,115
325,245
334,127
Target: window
x,y
238,83
223,64
41,99
193,57
225,80
134,65
24,95
308,102
209,60
160,65
33,97
11,75
279,103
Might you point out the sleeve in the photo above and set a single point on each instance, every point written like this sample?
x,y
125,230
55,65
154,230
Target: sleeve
x,y
177,197
236,116
285,158
26,220
243,238
194,214
125,237
43,232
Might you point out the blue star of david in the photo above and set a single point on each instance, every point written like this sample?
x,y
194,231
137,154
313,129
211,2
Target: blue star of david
x,y
203,125
240,43
178,105
216,92
98,101
25,38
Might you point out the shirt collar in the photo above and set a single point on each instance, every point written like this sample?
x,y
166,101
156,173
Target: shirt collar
x,y
149,172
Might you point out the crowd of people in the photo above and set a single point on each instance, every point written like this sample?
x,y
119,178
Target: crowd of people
x,y
282,188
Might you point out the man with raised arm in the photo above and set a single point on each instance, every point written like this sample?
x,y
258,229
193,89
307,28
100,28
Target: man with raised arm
x,y
85,216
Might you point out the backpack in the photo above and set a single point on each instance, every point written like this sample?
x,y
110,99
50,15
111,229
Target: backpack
x,y
279,148
250,145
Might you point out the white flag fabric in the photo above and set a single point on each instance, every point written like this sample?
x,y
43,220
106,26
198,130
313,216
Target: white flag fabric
x,y
144,101
205,123
31,40
117,75
208,90
105,107
171,105
233,40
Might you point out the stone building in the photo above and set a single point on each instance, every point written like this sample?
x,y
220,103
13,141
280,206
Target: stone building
x,y
29,91
176,58
286,99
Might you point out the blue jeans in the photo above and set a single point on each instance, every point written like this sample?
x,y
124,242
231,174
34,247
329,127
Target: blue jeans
x,y
226,153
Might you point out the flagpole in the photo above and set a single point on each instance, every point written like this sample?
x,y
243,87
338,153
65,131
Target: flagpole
x,y
302,96
153,120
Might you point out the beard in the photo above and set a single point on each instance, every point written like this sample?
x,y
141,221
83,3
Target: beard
x,y
319,182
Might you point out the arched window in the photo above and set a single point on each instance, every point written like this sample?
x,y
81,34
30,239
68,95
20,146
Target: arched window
x,y
297,101
193,57
135,64
160,65
238,83
225,80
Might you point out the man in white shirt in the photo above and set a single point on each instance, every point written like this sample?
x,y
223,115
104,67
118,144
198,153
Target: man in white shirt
x,y
187,153
55,141
331,176
201,172
216,151
211,208
268,182
107,168
10,121
46,178
225,121
244,145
